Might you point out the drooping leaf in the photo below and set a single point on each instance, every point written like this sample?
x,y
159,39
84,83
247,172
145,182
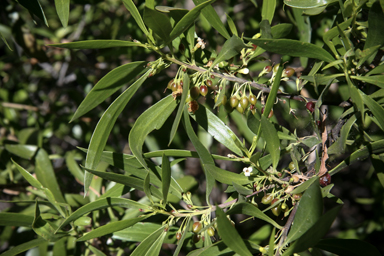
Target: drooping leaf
x,y
230,235
347,247
230,49
136,15
166,177
102,204
104,126
62,9
308,212
272,140
152,118
293,48
205,157
108,85
110,228
188,20
210,14
97,44
219,131
251,210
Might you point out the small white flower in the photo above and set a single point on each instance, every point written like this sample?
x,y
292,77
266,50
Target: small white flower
x,y
247,171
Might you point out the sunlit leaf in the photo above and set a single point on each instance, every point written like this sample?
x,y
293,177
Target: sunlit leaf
x,y
272,140
230,49
146,244
97,44
136,15
62,9
307,3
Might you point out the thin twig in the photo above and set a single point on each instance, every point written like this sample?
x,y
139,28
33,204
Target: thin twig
x,y
19,106
287,227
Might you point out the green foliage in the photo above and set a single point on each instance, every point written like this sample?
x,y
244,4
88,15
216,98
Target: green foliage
x,y
120,133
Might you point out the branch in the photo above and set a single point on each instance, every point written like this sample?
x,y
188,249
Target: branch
x,y
286,228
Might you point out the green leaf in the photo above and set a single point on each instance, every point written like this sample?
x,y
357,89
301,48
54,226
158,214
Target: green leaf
x,y
363,55
375,108
34,8
5,41
102,204
315,233
126,180
347,247
104,127
215,127
375,80
242,190
152,118
229,234
183,236
339,146
23,151
96,251
176,122
333,32
145,246
281,30
230,49
110,228
154,249
31,180
375,21
377,70
214,20
308,3
232,25
73,166
147,188
108,85
272,94
97,44
136,15
303,24
166,177
251,210
268,10
62,9
228,177
205,157
15,219
293,48
187,20
159,23
304,186
308,212
271,242
272,140
17,250
356,97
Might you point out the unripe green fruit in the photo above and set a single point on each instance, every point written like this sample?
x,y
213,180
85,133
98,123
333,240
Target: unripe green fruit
x,y
195,92
239,108
233,101
211,231
244,102
196,227
267,199
252,99
291,166
170,83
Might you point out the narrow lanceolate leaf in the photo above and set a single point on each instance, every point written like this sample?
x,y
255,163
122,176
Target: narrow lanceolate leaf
x,y
43,228
308,212
251,210
187,20
272,95
104,126
147,187
375,80
34,7
166,177
145,246
214,20
110,228
228,177
126,180
108,85
229,234
102,204
315,233
230,49
205,157
136,15
15,219
293,48
268,10
215,127
181,241
31,180
180,110
375,108
159,23
97,44
62,9
272,140
153,118
375,22
307,3
17,250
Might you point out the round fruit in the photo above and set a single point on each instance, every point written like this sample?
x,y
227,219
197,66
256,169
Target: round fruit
x,y
276,210
240,108
325,180
233,101
178,235
195,92
203,90
310,106
244,102
252,99
209,82
288,72
291,166
174,86
212,76
297,197
267,199
211,231
284,207
170,83
196,227
196,238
